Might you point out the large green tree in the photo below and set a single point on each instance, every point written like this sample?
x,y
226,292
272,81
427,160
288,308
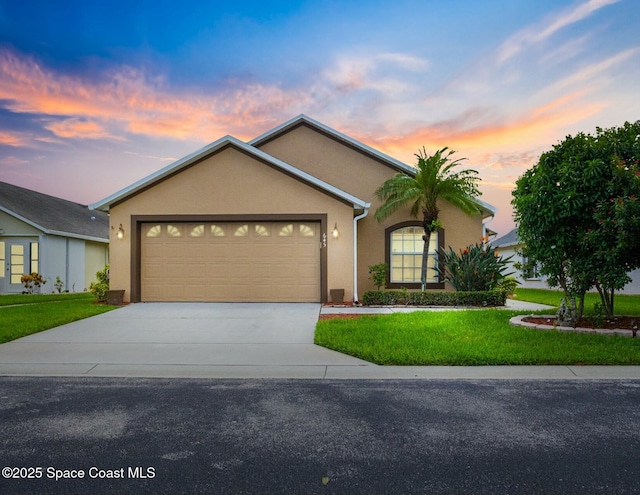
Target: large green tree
x,y
433,180
578,214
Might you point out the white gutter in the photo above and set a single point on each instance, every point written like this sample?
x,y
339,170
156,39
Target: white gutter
x,y
355,252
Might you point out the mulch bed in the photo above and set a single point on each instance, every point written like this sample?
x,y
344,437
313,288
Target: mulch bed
x,y
622,322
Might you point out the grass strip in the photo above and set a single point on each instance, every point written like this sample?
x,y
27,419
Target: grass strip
x,y
13,299
468,338
26,319
624,304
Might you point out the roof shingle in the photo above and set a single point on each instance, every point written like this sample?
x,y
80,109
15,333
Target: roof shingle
x,y
54,215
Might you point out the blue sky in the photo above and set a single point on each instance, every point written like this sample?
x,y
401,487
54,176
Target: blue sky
x,y
96,95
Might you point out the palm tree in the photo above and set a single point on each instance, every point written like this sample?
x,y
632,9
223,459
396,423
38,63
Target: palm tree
x,y
434,179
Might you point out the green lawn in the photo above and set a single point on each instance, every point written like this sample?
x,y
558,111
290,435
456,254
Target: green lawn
x,y
623,304
476,337
22,315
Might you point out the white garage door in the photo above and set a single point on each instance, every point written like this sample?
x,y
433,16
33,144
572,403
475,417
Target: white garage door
x,y
231,262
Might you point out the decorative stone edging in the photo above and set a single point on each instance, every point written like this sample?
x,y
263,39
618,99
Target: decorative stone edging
x,y
517,321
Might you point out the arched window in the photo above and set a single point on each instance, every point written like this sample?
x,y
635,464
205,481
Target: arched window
x,y
405,248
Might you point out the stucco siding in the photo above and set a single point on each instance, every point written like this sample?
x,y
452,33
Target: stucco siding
x,y
330,160
231,182
96,256
12,226
632,287
351,170
460,230
74,281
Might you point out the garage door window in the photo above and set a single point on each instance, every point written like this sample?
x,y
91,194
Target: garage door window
x,y
242,231
173,231
154,231
217,231
197,231
286,231
306,230
262,231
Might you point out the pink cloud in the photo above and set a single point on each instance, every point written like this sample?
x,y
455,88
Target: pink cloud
x,y
128,100
10,139
75,128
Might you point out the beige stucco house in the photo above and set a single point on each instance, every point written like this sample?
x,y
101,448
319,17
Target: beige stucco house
x,y
288,216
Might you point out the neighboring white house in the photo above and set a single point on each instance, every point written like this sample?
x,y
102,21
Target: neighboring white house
x,y
509,245
51,236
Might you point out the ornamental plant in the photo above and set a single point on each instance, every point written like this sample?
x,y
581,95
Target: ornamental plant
x,y
31,282
378,273
578,214
434,180
100,287
475,268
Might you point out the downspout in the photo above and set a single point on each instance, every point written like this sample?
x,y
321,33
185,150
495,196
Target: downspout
x,y
484,230
355,253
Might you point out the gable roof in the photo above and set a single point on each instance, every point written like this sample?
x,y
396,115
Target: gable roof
x,y
53,215
507,240
303,120
219,145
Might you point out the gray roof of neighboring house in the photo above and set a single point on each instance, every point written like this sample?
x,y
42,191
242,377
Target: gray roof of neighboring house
x,y
510,239
53,215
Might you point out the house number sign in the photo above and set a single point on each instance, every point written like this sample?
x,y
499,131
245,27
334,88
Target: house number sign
x,y
324,239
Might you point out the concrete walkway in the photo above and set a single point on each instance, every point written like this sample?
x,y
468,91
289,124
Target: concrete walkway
x,y
201,340
511,304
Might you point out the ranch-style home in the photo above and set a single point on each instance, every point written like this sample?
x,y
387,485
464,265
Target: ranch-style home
x,y
51,236
285,217
509,245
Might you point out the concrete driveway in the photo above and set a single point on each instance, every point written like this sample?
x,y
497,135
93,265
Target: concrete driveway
x,y
233,340
180,339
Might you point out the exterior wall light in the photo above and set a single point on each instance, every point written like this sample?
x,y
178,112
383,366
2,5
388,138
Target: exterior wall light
x,y
336,232
120,233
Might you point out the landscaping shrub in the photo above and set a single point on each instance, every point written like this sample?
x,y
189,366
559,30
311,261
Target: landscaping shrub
x,y
434,298
378,273
101,286
32,282
476,268
508,285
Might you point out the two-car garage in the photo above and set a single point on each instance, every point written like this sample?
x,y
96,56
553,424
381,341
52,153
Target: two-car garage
x,y
222,261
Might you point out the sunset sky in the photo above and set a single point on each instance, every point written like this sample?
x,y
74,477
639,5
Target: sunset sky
x,y
96,95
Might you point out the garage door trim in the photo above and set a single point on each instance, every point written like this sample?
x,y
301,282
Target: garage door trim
x,y
136,242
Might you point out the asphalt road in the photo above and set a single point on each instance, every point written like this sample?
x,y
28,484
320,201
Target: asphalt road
x,y
178,436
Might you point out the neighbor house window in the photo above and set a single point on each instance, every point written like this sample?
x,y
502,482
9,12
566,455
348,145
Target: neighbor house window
x,y
530,271
405,249
35,258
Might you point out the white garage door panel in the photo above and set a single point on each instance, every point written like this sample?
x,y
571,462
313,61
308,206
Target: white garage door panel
x,y
247,261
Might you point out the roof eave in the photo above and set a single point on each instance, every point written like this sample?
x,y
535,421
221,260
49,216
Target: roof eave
x,y
116,197
78,236
23,219
176,166
302,118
